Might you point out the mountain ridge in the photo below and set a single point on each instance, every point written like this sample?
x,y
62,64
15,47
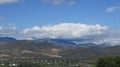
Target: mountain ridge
x,y
43,48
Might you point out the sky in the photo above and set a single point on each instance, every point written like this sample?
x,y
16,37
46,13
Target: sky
x,y
29,13
96,21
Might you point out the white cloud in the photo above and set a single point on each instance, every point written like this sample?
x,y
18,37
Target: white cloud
x,y
8,31
113,8
9,1
60,2
111,37
64,31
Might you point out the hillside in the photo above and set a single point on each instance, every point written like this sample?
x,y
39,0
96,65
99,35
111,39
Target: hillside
x,y
39,49
25,48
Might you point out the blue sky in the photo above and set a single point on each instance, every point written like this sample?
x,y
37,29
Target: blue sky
x,y
29,13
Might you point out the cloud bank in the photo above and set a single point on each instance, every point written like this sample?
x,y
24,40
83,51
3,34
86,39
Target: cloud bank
x,y
64,31
60,2
81,33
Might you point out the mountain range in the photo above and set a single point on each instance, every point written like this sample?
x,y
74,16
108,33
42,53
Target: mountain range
x,y
71,42
13,48
4,40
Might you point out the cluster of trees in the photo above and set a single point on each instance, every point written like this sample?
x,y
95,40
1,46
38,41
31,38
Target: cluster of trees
x,y
108,61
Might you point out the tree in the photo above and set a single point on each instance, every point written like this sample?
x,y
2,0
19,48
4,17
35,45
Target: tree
x,y
108,62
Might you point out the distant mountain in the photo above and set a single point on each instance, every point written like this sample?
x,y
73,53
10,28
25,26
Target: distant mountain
x,y
54,48
72,42
86,45
62,42
4,40
38,49
66,42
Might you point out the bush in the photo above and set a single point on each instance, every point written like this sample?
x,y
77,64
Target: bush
x,y
108,61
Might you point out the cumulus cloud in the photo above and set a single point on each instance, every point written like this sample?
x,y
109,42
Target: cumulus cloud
x,y
113,8
60,2
9,1
64,31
